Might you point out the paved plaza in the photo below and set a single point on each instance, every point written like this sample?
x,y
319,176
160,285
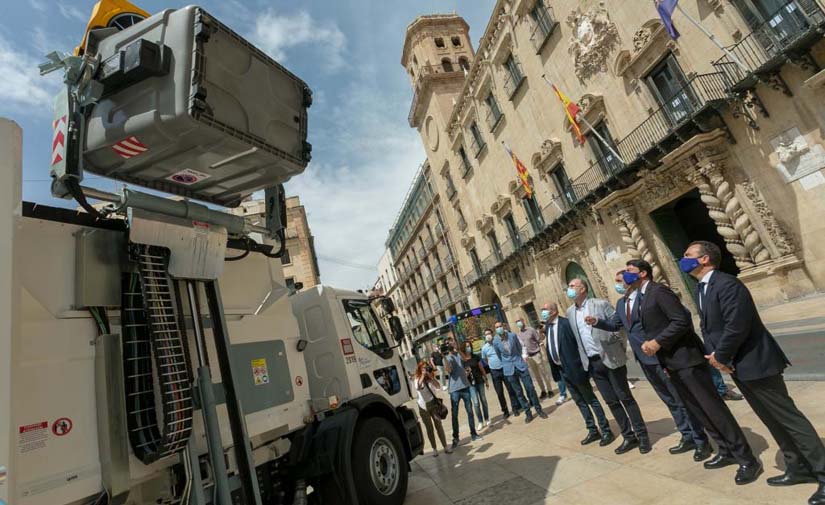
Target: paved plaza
x,y
544,463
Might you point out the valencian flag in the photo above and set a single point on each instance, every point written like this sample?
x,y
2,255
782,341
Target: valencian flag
x,y
521,169
572,110
665,9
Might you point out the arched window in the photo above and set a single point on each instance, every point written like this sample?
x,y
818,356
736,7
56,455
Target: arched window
x,y
464,63
575,271
456,41
446,64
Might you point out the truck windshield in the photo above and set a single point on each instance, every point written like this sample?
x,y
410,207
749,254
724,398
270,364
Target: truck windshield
x,y
365,327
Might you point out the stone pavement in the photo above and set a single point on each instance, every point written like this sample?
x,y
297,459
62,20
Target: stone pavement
x,y
544,463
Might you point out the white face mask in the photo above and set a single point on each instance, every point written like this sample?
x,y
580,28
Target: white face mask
x,y
488,337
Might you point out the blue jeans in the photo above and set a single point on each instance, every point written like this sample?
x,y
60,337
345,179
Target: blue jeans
x,y
718,381
562,387
479,398
463,395
522,378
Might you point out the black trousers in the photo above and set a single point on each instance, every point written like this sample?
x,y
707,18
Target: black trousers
x,y
612,384
588,405
695,387
499,384
800,444
687,424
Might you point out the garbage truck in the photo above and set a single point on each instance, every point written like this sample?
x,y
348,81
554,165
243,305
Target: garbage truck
x,y
151,351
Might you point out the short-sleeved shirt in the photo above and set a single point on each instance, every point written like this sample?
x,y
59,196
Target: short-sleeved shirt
x,y
488,353
437,358
458,377
472,363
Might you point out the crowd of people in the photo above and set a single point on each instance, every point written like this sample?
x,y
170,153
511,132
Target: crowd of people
x,y
589,342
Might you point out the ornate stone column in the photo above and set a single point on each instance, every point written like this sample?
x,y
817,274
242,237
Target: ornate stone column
x,y
736,215
716,210
624,217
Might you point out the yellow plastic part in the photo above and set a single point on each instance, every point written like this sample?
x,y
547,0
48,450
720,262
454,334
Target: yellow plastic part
x,y
103,13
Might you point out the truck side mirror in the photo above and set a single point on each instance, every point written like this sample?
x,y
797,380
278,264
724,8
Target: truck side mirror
x,y
397,329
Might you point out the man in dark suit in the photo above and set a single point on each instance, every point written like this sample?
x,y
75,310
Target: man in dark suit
x,y
739,344
627,316
565,352
669,328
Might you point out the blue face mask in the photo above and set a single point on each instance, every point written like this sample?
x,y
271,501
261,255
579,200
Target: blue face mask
x,y
572,293
545,315
629,277
621,289
688,265
499,331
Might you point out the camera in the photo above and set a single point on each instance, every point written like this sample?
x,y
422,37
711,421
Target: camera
x,y
446,348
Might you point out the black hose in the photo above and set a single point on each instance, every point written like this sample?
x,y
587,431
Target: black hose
x,y
77,193
244,254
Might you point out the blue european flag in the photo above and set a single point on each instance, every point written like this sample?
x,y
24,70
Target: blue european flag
x,y
666,8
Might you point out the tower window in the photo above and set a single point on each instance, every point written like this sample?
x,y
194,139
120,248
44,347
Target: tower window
x,y
456,41
464,63
447,65
439,43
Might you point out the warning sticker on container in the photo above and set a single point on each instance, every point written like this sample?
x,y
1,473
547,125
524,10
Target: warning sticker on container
x,y
32,437
62,426
260,372
188,177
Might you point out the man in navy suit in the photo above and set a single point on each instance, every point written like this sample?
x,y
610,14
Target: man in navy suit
x,y
565,352
739,344
627,316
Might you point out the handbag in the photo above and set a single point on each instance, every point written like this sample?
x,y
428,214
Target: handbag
x,y
440,409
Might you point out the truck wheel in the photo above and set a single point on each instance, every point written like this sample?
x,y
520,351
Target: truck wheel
x,y
379,465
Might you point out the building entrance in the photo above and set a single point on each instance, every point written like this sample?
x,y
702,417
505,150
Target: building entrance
x,y
684,220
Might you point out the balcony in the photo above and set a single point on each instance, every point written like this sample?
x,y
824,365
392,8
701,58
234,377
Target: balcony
x,y
477,145
448,263
428,243
473,276
545,24
422,254
437,271
428,280
465,167
426,75
494,117
445,300
439,231
786,35
456,293
462,223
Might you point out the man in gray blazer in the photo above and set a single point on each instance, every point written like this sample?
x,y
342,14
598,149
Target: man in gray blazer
x,y
607,353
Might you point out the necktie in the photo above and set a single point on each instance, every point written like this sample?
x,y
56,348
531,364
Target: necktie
x,y
627,304
702,295
554,351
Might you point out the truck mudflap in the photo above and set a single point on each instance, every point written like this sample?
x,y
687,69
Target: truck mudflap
x,y
414,438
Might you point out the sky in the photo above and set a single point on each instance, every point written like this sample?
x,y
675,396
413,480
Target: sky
x,y
364,154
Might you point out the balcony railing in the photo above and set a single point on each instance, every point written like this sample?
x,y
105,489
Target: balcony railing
x,y
786,34
493,117
456,293
445,300
477,145
437,270
422,253
439,231
473,276
448,263
466,168
545,25
428,280
428,243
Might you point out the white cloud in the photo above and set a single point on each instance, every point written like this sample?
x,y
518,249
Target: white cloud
x,y
352,203
22,87
38,5
278,33
71,12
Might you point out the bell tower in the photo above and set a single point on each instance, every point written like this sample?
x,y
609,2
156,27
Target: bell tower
x,y
437,55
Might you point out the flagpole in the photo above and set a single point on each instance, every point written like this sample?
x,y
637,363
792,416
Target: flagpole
x,y
592,130
713,39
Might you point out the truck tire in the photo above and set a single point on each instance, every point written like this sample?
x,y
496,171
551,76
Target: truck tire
x,y
379,466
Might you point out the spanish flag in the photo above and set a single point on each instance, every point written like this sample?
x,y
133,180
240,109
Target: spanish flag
x,y
521,169
572,110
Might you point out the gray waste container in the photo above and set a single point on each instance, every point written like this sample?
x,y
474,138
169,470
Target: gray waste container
x,y
221,121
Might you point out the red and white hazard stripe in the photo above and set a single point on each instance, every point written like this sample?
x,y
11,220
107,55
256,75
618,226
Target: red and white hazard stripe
x,y
129,147
58,140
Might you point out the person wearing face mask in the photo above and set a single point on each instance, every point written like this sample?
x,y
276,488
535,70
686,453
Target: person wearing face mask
x,y
478,382
737,343
531,347
606,352
488,354
555,370
567,353
669,329
627,317
509,351
459,388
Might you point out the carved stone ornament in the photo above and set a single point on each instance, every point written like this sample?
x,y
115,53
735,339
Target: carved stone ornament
x,y
594,37
485,223
468,242
780,239
795,157
548,157
650,44
663,186
501,205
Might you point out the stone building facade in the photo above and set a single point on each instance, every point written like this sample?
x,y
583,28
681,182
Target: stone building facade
x,y
698,143
429,285
300,261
